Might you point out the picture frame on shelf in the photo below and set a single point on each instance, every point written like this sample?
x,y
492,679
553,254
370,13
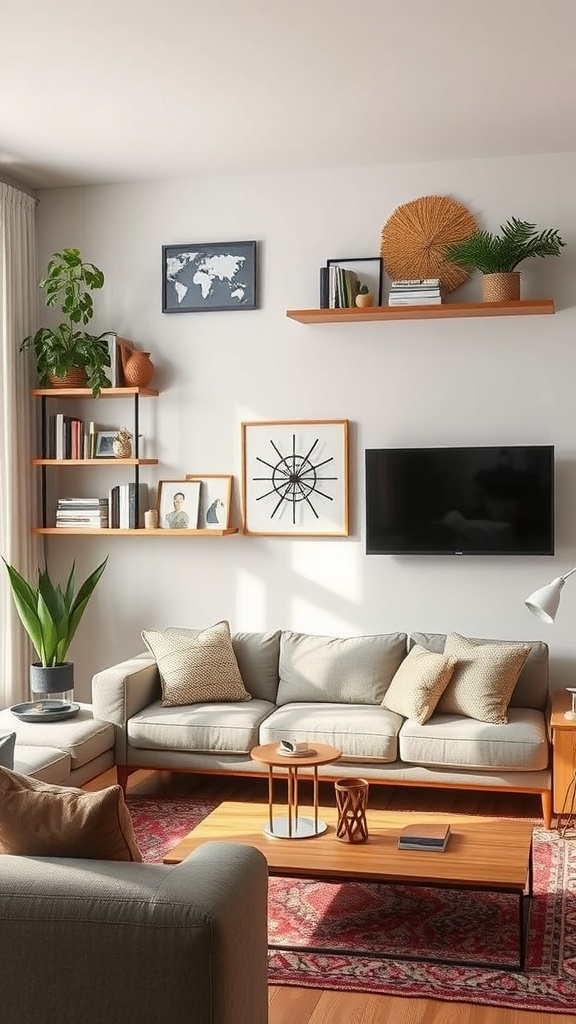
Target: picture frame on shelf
x,y
209,276
177,504
370,272
215,499
295,478
104,445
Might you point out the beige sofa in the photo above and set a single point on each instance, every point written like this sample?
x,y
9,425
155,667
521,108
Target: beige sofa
x,y
109,942
330,690
65,753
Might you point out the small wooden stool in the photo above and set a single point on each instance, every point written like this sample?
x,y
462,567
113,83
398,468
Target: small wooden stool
x,y
351,801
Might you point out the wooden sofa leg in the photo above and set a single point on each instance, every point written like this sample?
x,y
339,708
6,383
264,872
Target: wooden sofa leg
x,y
547,807
122,773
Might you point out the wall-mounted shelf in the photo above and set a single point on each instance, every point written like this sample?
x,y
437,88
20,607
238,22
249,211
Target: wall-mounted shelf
x,y
57,530
446,311
94,462
86,392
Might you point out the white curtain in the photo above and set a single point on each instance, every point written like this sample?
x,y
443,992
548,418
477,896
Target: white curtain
x,y
18,490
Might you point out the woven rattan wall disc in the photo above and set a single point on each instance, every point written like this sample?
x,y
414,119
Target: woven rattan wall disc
x,y
414,238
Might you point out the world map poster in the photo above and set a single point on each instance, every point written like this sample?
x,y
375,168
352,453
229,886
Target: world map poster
x,y
209,276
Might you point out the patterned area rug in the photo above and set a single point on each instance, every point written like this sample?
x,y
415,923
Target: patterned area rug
x,y
408,922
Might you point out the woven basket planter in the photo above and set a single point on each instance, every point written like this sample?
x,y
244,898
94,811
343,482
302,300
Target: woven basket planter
x,y
501,287
75,378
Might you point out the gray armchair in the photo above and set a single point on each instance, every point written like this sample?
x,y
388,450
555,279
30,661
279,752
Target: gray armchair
x,y
103,942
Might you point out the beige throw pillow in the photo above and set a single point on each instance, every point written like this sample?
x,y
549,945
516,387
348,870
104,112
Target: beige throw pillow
x,y
196,669
418,684
484,678
38,819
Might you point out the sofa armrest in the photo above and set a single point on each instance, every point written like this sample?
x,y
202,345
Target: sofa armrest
x,y
122,690
143,942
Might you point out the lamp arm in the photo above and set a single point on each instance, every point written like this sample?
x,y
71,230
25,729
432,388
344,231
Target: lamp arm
x,y
565,577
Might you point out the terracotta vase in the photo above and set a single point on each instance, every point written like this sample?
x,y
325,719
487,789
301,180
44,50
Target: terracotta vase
x,y
137,367
364,300
75,378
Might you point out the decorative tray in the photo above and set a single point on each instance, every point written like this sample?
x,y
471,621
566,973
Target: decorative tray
x,y
44,710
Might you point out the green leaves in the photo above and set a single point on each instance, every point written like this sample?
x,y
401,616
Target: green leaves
x,y
50,615
494,254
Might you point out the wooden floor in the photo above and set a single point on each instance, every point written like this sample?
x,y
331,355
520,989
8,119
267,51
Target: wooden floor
x,y
314,1006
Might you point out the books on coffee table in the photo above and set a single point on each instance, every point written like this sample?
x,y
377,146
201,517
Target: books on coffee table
x,y
425,836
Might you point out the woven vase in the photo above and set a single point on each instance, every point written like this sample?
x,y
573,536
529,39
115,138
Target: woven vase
x,y
75,378
351,801
501,287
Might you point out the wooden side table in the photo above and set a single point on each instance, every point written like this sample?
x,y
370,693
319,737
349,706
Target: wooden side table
x,y
564,756
293,825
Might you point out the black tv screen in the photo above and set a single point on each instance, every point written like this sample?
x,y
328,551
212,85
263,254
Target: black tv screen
x,y
455,501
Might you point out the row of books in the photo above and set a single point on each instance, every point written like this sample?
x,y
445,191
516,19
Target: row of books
x,y
424,291
338,287
70,438
119,510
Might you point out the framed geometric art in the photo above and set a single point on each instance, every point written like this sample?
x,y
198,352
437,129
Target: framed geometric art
x,y
215,496
295,478
200,277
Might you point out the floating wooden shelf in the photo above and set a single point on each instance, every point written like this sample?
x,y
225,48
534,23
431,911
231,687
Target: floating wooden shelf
x,y
106,532
94,462
86,392
446,311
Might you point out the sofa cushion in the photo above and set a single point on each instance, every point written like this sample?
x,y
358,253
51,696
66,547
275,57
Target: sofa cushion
x,y
83,737
353,670
484,678
7,742
257,656
361,731
419,683
38,819
196,669
452,741
199,728
532,688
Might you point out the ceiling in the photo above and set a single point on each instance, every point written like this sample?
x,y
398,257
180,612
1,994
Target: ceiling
x,y
134,90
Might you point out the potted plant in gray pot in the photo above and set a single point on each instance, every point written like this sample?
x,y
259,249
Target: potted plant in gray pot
x,y
497,256
66,355
51,617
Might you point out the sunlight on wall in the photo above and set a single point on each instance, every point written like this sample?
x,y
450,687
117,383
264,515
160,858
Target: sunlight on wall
x,y
251,604
327,586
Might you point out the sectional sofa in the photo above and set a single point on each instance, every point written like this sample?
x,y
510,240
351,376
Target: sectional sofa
x,y
383,700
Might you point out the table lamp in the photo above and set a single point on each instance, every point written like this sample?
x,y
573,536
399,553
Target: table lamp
x,y
543,603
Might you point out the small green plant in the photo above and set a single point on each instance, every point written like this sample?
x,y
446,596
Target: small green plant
x,y
49,615
67,285
363,290
496,254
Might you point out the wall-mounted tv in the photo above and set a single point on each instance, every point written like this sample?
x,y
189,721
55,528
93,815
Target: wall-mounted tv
x,y
456,501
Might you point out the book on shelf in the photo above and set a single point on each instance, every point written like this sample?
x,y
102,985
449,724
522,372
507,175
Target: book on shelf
x,y
416,282
343,287
115,372
78,513
429,836
122,512
414,300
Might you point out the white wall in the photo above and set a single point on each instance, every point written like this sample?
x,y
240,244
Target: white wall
x,y
471,381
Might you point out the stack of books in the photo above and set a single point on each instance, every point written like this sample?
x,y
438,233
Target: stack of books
x,y
423,291
82,513
338,287
124,512
425,836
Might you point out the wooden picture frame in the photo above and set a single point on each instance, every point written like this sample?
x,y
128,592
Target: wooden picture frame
x,y
175,513
215,500
295,478
207,276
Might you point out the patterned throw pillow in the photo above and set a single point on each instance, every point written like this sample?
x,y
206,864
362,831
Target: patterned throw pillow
x,y
418,684
7,742
196,669
484,678
38,819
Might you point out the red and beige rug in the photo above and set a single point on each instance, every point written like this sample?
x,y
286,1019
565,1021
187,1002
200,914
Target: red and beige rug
x,y
407,923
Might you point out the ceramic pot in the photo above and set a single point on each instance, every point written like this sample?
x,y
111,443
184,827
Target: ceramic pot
x,y
54,682
137,367
364,300
501,287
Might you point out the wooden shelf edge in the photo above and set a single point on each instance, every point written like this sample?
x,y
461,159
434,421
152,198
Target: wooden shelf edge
x,y
446,310
86,392
58,530
94,462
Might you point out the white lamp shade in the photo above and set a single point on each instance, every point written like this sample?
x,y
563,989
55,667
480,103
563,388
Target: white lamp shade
x,y
544,603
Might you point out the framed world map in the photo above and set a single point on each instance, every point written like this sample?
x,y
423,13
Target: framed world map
x,y
207,276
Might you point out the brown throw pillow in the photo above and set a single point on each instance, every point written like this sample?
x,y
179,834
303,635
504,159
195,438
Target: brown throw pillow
x,y
38,819
195,669
484,678
418,684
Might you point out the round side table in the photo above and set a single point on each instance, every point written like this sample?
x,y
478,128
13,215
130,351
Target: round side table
x,y
293,825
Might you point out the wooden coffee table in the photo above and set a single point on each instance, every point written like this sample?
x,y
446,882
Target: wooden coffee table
x,y
489,854
293,825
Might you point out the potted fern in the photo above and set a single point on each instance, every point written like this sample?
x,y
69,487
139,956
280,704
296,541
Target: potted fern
x,y
66,355
51,617
496,256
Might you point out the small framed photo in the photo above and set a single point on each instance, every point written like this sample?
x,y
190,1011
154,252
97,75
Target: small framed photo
x,y
215,497
104,444
206,276
367,270
177,504
295,478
